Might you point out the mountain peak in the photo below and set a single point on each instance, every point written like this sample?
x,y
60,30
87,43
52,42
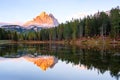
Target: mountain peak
x,y
43,20
43,13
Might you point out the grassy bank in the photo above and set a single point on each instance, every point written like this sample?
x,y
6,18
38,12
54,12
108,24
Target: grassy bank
x,y
95,42
81,41
5,41
37,42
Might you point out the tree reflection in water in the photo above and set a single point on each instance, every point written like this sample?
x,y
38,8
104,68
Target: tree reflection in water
x,y
101,58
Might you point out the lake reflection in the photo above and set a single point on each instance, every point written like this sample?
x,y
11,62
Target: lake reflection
x,y
43,62
58,62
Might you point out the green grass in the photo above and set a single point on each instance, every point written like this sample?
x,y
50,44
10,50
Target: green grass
x,y
4,41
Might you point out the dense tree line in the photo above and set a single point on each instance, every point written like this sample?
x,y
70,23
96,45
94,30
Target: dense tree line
x,y
8,35
100,24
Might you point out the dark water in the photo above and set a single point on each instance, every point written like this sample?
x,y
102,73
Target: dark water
x,y
58,62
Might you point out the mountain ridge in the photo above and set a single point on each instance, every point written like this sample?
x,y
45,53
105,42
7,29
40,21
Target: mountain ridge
x,y
43,20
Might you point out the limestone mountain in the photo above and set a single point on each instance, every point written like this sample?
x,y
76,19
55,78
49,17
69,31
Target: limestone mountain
x,y
43,20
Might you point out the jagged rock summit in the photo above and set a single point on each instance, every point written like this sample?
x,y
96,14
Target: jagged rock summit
x,y
43,20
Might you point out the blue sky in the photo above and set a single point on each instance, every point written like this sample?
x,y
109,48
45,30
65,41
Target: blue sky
x,y
23,10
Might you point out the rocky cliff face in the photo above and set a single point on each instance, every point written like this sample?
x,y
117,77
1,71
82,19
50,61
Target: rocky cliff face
x,y
43,20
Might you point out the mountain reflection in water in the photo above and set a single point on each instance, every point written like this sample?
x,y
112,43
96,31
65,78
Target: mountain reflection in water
x,y
43,62
102,59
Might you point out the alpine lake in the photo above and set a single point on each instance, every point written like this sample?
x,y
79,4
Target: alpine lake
x,y
58,62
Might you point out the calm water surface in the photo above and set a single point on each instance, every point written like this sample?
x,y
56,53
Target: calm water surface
x,y
58,62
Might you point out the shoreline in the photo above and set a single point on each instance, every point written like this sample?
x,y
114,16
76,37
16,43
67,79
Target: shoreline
x,y
81,41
